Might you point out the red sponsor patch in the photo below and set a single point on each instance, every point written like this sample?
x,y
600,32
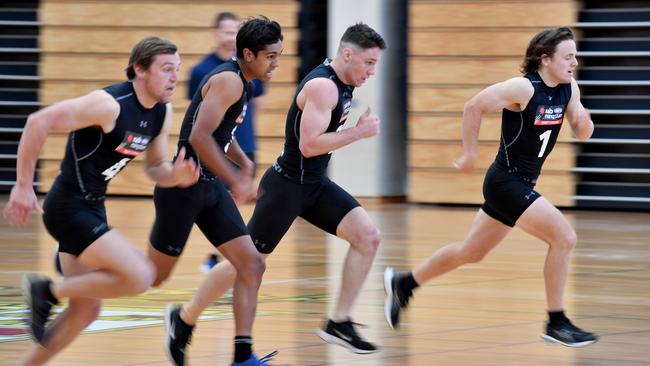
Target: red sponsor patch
x,y
539,122
549,115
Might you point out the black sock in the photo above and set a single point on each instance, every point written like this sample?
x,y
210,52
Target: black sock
x,y
557,317
243,348
50,296
408,283
183,323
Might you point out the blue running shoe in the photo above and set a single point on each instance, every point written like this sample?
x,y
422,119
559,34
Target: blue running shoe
x,y
212,261
253,361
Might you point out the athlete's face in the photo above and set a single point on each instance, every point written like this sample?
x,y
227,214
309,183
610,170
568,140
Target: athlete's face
x,y
266,61
225,34
161,77
361,64
562,64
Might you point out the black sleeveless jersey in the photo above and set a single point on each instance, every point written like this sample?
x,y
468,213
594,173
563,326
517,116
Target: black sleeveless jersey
x,y
92,157
291,162
528,137
223,134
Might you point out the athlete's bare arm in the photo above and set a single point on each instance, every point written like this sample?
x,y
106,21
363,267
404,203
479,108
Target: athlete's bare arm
x,y
579,117
97,108
512,94
219,93
317,99
239,157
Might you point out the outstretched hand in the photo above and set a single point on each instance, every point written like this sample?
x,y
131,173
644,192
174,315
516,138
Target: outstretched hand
x,y
22,201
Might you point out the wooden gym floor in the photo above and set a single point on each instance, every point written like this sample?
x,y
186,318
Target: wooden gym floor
x,y
490,313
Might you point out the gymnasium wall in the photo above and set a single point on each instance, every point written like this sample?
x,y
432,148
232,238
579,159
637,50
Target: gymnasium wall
x,y
86,45
455,48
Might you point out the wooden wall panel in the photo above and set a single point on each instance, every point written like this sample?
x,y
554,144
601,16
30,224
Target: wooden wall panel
x,y
165,13
457,48
476,71
464,42
441,155
111,40
271,123
439,126
487,14
432,126
439,99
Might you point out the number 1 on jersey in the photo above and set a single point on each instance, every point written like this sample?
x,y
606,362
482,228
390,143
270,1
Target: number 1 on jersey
x,y
544,137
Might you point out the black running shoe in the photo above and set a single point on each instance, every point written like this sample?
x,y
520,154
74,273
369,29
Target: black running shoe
x,y
345,335
35,290
178,335
396,298
568,335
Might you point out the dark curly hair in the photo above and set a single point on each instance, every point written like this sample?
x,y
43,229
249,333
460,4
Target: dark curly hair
x,y
256,33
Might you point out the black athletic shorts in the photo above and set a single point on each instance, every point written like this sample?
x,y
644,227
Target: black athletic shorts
x,y
507,195
280,201
74,219
207,203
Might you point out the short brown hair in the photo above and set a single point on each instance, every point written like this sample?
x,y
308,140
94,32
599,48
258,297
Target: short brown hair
x,y
544,43
363,36
144,52
224,15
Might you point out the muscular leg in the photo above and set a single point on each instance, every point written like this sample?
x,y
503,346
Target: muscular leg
x,y
484,234
127,274
364,237
163,263
546,222
249,266
242,258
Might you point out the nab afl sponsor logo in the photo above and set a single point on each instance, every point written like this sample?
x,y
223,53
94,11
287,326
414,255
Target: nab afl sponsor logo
x,y
549,115
133,144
